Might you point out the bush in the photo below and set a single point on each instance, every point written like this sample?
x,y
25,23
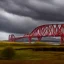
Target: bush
x,y
8,53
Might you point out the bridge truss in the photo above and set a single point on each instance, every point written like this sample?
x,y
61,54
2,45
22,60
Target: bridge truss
x,y
49,30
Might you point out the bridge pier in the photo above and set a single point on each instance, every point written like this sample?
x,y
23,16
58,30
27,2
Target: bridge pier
x,y
62,39
39,38
29,39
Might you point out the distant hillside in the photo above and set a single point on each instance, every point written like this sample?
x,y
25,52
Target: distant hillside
x,y
46,39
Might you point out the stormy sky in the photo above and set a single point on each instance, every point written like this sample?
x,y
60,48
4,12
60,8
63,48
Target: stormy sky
x,y
22,16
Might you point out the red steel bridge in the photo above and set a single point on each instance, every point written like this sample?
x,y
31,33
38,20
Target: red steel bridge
x,y
48,30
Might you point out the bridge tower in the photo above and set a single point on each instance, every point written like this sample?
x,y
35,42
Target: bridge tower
x,y
11,38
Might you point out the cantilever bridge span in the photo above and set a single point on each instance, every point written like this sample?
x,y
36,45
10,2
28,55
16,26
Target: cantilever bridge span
x,y
48,30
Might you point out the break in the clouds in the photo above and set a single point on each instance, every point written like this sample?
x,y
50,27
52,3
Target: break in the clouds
x,y
22,16
4,36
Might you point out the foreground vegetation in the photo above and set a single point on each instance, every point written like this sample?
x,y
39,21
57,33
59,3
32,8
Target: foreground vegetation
x,y
25,51
33,55
36,53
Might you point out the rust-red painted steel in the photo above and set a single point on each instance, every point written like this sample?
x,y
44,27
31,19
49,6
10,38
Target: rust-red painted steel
x,y
54,30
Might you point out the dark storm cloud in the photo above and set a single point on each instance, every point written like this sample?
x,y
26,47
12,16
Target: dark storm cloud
x,y
22,26
12,25
22,16
13,7
37,9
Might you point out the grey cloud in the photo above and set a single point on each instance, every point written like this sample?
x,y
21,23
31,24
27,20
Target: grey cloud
x,y
14,8
14,26
20,25
33,11
37,9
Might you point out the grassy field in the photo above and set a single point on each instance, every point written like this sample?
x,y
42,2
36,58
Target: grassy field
x,y
29,54
22,45
39,55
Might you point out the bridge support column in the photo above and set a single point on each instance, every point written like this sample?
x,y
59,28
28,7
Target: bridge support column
x,y
11,38
29,39
39,38
62,39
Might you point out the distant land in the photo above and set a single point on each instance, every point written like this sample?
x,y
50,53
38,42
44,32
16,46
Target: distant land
x,y
49,40
44,39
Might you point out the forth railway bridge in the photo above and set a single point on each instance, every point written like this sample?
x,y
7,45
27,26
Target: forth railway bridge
x,y
48,30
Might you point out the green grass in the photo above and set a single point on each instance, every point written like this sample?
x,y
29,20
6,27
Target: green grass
x,y
39,55
33,55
